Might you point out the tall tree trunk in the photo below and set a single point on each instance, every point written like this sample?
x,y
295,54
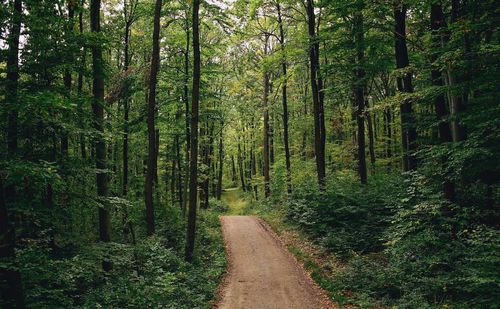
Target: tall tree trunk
x,y
371,129
303,151
178,160
186,106
240,167
267,189
128,15
233,170
193,168
172,178
152,141
456,100
126,108
221,164
206,154
13,293
359,88
98,111
67,78
11,95
203,156
284,102
371,140
444,132
388,119
157,152
83,149
408,131
316,84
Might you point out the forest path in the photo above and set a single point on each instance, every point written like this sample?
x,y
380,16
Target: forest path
x,y
232,197
262,273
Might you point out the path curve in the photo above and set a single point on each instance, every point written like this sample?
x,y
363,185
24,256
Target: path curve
x,y
262,273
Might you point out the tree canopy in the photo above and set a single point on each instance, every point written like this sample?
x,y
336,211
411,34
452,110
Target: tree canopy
x,y
369,126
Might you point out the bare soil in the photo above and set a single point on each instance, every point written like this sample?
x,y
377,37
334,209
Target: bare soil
x,y
262,273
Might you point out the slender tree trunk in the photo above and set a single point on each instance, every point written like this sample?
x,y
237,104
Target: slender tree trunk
x,y
316,84
271,134
11,95
303,151
371,139
284,102
221,164
13,294
233,170
388,119
359,88
83,149
456,100
67,78
444,132
214,177
212,165
408,131
98,111
186,106
203,156
193,168
240,167
267,190
126,108
157,152
206,154
152,138
178,159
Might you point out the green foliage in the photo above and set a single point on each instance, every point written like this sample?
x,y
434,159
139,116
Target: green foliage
x,y
218,206
405,247
146,273
346,219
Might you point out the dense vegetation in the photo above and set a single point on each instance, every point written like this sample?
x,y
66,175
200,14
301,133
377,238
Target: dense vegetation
x,y
371,126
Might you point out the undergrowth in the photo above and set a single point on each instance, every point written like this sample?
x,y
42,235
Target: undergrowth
x,y
150,274
399,247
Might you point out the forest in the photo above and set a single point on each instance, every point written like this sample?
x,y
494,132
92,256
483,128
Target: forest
x,y
140,138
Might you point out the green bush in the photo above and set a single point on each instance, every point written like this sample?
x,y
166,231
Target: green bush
x,y
403,247
147,275
218,206
346,218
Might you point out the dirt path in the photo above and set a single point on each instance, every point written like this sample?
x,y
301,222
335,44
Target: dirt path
x,y
262,273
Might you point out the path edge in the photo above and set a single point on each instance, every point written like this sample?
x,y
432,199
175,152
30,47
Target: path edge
x,y
320,293
227,273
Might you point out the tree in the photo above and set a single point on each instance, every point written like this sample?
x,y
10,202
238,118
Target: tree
x,y
98,122
152,138
284,100
193,166
359,88
316,89
457,100
408,130
11,88
129,12
13,293
265,105
444,132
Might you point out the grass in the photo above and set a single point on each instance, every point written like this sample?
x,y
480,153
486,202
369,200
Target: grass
x,y
236,201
